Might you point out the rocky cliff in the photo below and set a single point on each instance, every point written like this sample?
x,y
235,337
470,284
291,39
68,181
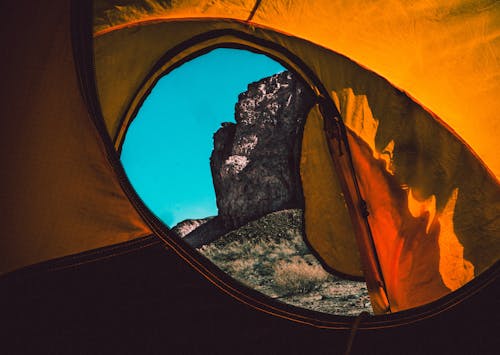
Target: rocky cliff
x,y
255,162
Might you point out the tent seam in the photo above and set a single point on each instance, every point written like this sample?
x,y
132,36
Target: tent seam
x,y
254,10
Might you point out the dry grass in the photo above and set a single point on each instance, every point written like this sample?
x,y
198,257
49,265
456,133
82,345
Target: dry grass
x,y
298,276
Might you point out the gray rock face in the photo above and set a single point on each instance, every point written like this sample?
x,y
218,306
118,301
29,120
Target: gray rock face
x,y
255,162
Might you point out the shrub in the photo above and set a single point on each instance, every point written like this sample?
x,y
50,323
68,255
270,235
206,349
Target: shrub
x,y
298,276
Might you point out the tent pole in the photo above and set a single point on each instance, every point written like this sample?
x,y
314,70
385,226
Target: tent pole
x,y
338,145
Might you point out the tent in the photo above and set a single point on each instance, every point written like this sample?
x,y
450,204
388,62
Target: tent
x,y
399,170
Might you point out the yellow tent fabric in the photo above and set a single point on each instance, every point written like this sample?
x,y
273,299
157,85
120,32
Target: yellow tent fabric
x,y
59,193
443,53
395,141
327,215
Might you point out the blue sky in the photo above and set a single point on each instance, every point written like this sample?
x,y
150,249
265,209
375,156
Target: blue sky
x,y
168,145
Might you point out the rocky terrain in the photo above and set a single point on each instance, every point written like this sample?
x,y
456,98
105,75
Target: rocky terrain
x,y
269,255
185,227
257,237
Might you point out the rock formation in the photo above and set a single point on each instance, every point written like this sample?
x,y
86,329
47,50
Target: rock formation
x,y
187,226
255,162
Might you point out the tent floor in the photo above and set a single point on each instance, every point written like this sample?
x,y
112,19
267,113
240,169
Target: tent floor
x,y
150,301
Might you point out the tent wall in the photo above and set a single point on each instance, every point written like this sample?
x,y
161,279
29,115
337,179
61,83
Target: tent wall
x,y
443,53
435,177
53,150
59,193
433,209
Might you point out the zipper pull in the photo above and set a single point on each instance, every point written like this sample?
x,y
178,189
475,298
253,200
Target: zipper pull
x,y
332,124
332,130
364,208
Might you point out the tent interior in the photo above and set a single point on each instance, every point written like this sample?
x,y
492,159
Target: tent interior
x,y
398,168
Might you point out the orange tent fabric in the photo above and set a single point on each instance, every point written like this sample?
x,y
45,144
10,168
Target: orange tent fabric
x,y
59,193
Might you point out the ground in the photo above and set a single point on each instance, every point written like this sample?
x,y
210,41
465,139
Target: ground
x,y
270,255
